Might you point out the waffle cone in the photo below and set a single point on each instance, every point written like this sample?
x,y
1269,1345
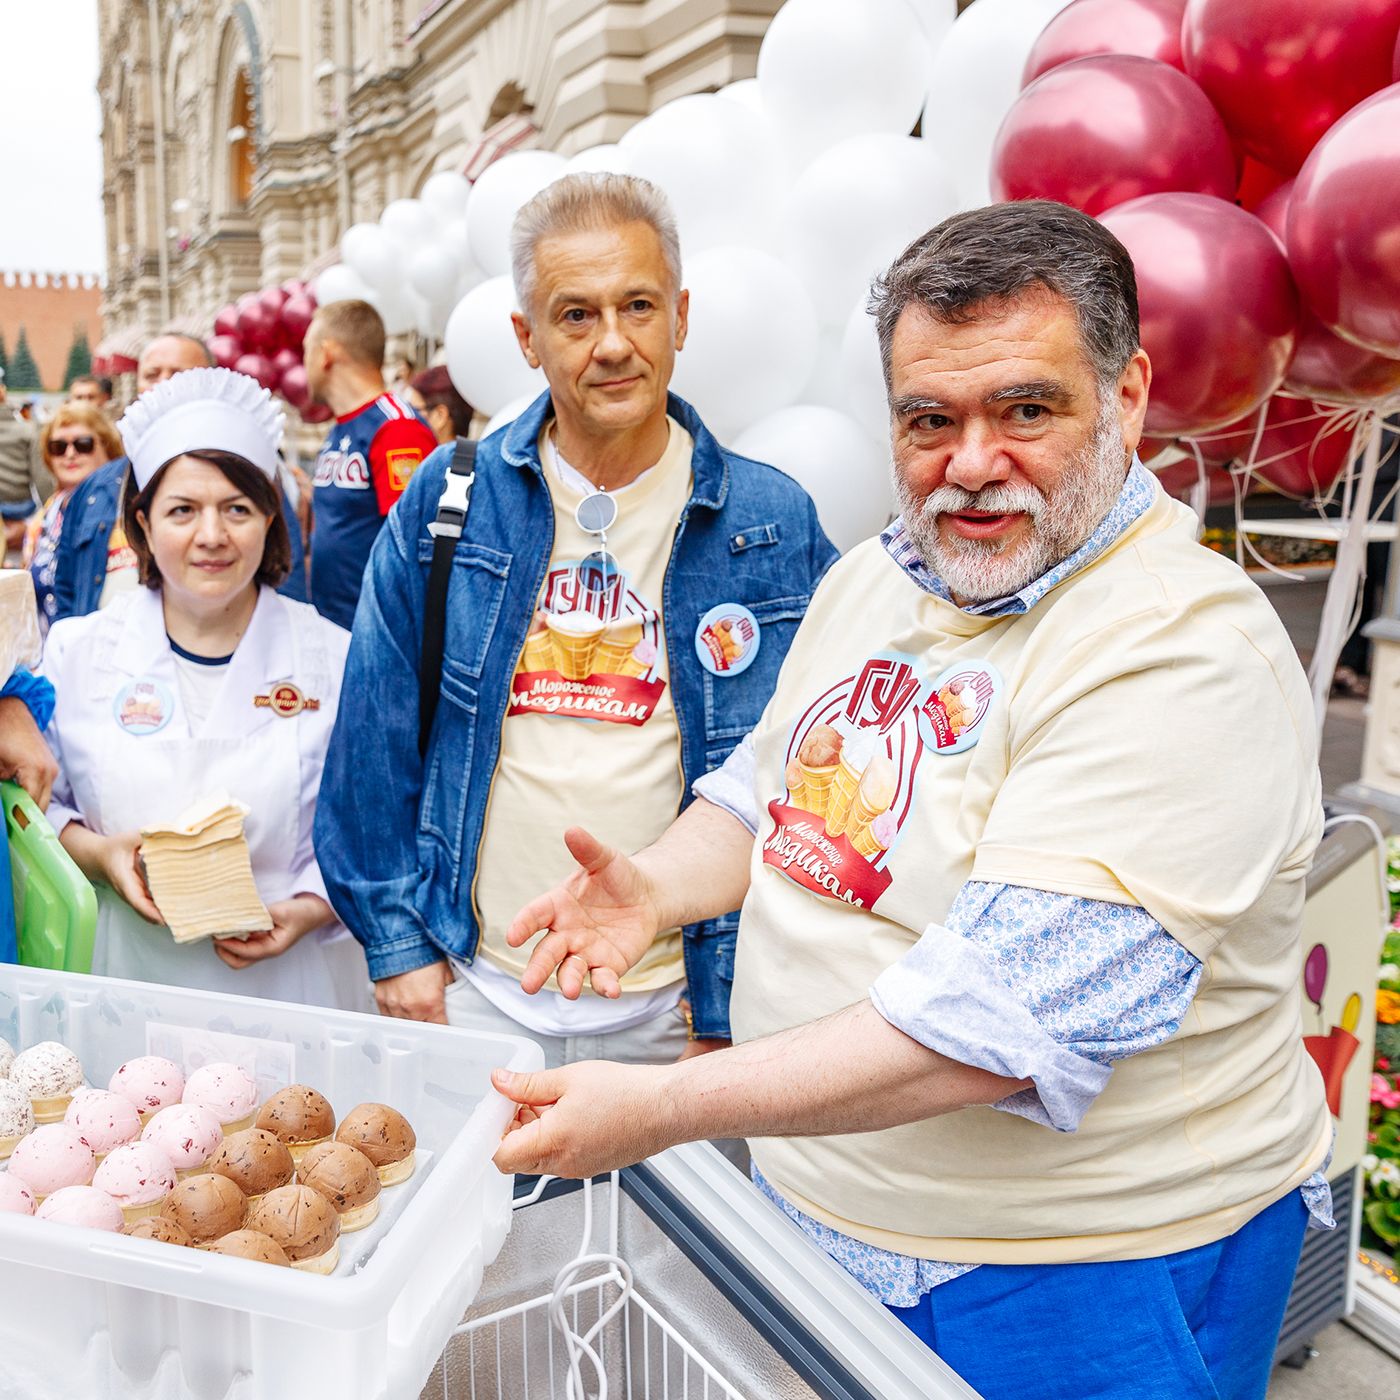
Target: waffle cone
x,y
391,1173
8,1145
359,1217
50,1110
539,652
240,1124
575,651
632,667
300,1149
860,838
322,1263
841,795
816,788
184,1173
133,1213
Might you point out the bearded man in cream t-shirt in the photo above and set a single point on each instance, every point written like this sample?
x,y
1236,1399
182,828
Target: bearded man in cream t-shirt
x,y
1020,841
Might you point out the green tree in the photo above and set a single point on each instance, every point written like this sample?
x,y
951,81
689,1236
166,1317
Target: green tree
x,y
24,373
79,357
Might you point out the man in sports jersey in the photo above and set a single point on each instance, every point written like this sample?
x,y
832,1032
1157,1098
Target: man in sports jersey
x,y
1021,841
368,457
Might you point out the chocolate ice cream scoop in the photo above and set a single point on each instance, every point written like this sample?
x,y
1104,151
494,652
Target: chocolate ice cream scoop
x,y
157,1227
821,748
383,1134
304,1223
346,1178
297,1116
252,1244
254,1160
206,1207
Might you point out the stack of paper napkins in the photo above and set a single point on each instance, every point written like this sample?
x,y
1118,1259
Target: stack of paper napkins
x,y
199,873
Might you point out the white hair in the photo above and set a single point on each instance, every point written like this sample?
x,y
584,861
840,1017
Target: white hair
x,y
589,201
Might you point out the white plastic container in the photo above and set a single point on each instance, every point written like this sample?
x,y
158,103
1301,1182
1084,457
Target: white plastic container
x,y
85,1314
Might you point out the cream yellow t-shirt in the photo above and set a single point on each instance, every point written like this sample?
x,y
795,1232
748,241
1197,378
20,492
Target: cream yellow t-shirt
x,y
590,736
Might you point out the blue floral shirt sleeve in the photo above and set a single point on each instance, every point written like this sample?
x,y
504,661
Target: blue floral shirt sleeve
x,y
35,691
731,785
1040,986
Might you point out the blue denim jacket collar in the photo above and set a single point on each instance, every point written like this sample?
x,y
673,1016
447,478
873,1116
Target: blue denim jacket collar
x,y
1137,494
708,466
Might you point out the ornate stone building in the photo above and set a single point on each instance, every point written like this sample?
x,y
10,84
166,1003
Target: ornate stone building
x,y
274,124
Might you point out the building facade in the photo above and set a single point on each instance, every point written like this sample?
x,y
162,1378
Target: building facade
x,y
242,137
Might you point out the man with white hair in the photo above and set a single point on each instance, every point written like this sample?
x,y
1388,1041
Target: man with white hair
x,y
1021,842
616,609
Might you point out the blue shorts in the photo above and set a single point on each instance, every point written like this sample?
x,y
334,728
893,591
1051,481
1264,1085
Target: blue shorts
x,y
1199,1325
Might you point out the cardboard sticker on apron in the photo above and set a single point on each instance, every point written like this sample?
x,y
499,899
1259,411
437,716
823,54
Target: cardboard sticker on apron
x,y
143,707
853,766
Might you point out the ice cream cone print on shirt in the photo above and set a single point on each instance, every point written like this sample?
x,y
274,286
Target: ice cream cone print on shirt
x,y
878,784
818,757
616,645
539,647
575,636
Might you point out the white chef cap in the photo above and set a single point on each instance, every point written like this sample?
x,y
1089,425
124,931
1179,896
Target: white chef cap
x,y
200,410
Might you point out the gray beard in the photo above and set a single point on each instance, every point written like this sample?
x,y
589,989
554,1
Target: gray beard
x,y
983,570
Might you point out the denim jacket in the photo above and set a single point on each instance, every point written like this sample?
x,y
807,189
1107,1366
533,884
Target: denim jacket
x,y
81,567
397,838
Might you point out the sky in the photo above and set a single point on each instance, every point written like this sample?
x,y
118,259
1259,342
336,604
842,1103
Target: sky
x,y
50,148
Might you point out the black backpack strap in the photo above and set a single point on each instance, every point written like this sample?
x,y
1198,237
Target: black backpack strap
x,y
446,530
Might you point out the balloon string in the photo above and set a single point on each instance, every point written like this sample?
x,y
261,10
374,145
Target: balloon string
x,y
1200,492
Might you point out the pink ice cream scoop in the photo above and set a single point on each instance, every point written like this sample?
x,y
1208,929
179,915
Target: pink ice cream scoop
x,y
51,1158
186,1133
644,653
884,829
104,1120
228,1092
149,1083
136,1174
15,1196
82,1205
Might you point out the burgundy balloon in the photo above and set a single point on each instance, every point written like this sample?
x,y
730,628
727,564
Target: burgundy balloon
x,y
293,388
284,359
1283,71
1219,310
226,322
1324,366
1344,226
1305,451
294,286
246,299
315,413
274,298
1257,183
1179,478
297,312
1150,28
258,367
226,350
1099,131
256,324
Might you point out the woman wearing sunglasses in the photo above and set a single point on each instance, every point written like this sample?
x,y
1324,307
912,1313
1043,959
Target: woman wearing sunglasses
x,y
75,442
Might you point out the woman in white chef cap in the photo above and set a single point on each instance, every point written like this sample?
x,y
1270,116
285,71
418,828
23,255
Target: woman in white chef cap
x,y
204,680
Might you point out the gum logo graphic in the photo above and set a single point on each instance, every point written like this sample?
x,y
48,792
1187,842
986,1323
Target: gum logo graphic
x,y
852,768
593,649
143,707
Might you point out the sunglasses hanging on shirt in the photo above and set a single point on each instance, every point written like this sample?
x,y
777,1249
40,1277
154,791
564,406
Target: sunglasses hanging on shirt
x,y
596,515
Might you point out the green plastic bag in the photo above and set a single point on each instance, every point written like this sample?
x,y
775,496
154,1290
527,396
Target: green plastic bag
x,y
55,906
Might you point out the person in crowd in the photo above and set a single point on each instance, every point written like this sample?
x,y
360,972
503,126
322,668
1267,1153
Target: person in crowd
x,y
573,680
368,457
203,679
75,442
24,479
95,562
91,389
26,703
1017,988
433,394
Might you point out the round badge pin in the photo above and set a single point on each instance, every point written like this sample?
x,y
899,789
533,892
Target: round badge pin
x,y
952,717
286,700
727,639
143,707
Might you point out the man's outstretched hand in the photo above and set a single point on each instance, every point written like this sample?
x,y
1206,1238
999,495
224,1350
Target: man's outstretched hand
x,y
601,920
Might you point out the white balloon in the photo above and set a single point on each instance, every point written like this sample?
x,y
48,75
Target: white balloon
x,y
341,283
843,470
829,69
400,308
483,355
410,222
374,255
720,166
825,384
433,272
509,413
500,191
446,194
863,375
600,160
975,77
752,340
857,206
937,18
747,93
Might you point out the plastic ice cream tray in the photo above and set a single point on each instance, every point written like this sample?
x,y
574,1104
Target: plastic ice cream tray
x,y
86,1314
